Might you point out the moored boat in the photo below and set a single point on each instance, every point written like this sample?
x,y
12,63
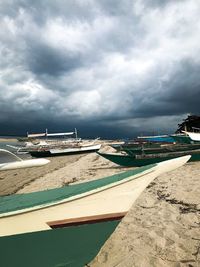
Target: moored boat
x,y
142,160
57,146
154,149
67,226
64,150
136,144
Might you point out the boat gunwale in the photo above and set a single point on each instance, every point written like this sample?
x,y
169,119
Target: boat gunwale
x,y
86,220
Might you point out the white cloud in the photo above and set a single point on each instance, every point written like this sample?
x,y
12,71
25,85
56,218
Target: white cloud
x,y
88,103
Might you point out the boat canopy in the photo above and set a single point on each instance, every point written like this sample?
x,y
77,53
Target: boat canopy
x,y
60,134
36,135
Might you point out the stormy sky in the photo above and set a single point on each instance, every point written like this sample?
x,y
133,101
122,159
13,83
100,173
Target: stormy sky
x,y
109,68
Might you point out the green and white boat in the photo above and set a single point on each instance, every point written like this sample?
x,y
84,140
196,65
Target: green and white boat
x,y
68,226
146,159
132,151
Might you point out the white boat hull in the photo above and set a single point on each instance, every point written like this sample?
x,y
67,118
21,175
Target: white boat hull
x,y
193,136
75,149
114,198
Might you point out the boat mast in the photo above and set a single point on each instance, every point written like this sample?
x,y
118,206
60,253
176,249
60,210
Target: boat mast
x,y
76,134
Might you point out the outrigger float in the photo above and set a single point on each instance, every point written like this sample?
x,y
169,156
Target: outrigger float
x,y
10,161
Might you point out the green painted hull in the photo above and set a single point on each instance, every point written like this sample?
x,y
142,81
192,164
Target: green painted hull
x,y
136,146
72,246
131,161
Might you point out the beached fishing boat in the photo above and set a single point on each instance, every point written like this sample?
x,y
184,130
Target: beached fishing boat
x,y
57,146
68,226
135,144
39,141
9,161
154,149
157,138
53,151
145,159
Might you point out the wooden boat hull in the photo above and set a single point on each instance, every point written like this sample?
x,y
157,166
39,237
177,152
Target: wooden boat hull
x,y
67,226
68,151
131,161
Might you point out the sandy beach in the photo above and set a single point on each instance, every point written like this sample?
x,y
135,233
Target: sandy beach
x,y
5,140
161,229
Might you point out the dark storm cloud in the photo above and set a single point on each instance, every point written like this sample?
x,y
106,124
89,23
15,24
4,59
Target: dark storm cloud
x,y
178,95
184,87
42,59
104,66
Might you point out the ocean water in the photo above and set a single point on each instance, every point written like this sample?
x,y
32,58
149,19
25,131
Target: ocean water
x,y
6,157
